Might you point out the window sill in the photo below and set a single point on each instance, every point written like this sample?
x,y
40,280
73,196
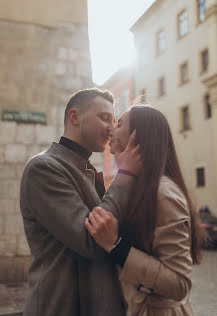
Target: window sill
x,y
183,131
184,83
162,96
203,72
181,37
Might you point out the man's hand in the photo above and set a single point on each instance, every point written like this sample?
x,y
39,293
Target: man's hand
x,y
103,227
130,159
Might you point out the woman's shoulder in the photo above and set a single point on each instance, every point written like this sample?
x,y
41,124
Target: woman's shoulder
x,y
172,203
168,188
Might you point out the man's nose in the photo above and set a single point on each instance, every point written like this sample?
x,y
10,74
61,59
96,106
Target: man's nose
x,y
111,130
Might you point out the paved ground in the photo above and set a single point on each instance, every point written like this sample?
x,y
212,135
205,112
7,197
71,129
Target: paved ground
x,y
204,290
203,295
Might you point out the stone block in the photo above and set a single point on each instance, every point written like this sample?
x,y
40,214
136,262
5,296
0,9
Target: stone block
x,y
83,69
15,153
8,245
14,269
25,134
1,224
7,206
45,134
13,224
2,154
19,170
32,151
53,115
7,172
22,246
17,206
60,115
7,132
9,189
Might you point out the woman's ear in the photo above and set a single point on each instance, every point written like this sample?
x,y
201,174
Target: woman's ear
x,y
73,116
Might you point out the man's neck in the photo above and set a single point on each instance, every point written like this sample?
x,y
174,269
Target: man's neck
x,y
75,147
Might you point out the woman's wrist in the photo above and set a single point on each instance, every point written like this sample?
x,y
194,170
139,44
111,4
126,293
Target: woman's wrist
x,y
126,172
115,244
119,253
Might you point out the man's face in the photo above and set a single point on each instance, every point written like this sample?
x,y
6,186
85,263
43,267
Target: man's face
x,y
96,124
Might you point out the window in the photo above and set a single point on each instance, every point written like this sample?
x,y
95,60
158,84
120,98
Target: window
x,y
201,8
184,73
117,107
208,108
183,23
142,97
204,56
161,42
161,87
185,118
200,174
126,98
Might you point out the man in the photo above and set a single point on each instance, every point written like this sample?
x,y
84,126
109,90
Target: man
x,y
70,275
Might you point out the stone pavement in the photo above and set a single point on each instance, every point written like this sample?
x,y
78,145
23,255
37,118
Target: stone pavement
x,y
203,294
12,298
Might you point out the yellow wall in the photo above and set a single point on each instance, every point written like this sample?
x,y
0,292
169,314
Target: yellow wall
x,y
44,12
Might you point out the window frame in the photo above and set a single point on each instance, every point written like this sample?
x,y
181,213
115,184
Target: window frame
x,y
159,87
198,12
178,24
181,81
198,185
207,113
158,52
202,70
183,129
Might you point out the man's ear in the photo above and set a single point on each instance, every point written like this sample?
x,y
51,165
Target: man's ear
x,y
73,116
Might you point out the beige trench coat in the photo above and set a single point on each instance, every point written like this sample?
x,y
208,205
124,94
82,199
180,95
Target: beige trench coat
x,y
168,271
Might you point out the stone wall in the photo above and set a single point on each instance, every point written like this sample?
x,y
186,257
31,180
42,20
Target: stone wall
x,y
40,68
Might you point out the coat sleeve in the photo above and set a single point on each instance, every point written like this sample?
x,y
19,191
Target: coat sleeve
x,y
57,205
168,271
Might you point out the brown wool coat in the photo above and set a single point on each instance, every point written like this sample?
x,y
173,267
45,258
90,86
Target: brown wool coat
x,y
168,271
69,274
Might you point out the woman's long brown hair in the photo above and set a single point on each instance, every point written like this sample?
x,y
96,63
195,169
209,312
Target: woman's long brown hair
x,y
155,139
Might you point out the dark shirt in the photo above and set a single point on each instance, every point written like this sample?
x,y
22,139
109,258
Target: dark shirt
x,y
84,153
119,254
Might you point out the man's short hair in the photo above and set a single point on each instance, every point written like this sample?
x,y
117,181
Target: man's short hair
x,y
81,99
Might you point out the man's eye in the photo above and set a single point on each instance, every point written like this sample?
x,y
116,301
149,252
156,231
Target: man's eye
x,y
105,117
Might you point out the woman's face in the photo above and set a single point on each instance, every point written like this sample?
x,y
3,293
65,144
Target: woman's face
x,y
122,131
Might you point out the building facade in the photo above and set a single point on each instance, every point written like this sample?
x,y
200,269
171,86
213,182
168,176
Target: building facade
x,y
176,44
121,84
44,58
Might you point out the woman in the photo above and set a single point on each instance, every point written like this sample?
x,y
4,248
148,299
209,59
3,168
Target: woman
x,y
159,237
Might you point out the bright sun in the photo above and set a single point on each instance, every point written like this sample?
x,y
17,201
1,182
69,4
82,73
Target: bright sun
x,y
111,42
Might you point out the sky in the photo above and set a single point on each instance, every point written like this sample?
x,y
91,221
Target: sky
x,y
111,42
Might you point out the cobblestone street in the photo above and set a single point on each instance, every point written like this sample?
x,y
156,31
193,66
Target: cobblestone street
x,y
203,295
204,289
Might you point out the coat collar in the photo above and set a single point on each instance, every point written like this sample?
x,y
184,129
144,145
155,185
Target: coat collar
x,y
68,155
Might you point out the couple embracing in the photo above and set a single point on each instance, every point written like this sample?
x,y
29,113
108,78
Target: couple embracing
x,y
127,251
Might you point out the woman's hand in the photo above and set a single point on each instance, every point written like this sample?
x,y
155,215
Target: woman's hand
x,y
103,227
131,158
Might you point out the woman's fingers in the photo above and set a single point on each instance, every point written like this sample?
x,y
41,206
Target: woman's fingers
x,y
132,140
88,226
